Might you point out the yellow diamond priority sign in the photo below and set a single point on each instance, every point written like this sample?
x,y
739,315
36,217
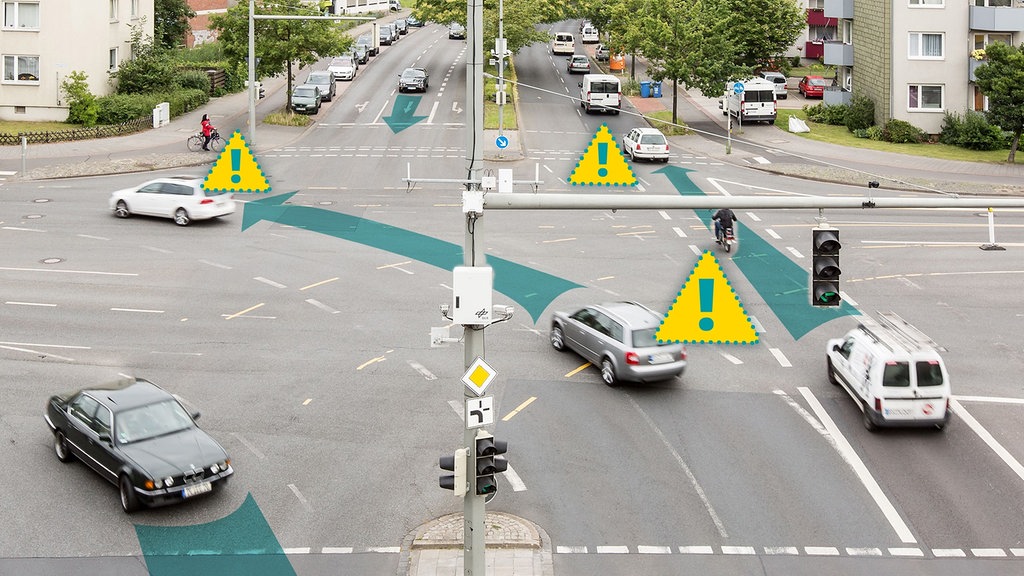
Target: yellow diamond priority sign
x,y
478,376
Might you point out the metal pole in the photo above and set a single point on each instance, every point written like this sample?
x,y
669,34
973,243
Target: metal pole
x,y
473,255
991,233
252,73
24,154
501,67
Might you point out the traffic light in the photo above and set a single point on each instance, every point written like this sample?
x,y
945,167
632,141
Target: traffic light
x,y
455,482
825,267
488,462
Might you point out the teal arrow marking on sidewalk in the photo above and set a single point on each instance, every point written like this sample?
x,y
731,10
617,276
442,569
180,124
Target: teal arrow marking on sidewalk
x,y
240,544
781,283
402,113
532,289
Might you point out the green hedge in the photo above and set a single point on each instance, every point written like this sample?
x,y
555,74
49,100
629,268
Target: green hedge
x,y
118,108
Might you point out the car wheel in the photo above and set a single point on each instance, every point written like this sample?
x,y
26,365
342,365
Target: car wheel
x,y
60,447
869,424
608,372
181,217
557,338
831,372
129,500
121,210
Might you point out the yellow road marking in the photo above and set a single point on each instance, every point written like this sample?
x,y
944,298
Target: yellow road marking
x,y
518,408
578,370
372,360
250,309
314,285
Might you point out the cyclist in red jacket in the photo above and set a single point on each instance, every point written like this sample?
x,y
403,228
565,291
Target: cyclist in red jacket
x,y
207,131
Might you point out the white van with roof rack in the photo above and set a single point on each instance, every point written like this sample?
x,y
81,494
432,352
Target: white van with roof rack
x,y
893,371
563,43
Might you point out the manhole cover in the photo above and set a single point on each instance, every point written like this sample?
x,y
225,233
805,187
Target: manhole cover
x,y
32,216
52,260
41,200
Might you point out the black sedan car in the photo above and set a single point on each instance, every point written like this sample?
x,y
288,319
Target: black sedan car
x,y
141,439
413,79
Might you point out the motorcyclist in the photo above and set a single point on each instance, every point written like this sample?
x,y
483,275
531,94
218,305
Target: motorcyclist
x,y
723,218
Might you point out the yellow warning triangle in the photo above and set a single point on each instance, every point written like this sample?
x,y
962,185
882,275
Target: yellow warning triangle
x,y
236,169
707,310
603,164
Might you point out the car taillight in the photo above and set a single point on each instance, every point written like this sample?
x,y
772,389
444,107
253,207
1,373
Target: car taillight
x,y
682,354
637,146
878,404
206,201
632,358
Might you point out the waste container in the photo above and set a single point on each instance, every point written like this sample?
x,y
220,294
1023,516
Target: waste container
x,y
656,89
645,89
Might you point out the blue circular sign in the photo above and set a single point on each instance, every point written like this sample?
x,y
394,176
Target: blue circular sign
x,y
738,87
502,142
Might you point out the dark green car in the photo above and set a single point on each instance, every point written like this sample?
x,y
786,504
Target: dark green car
x,y
140,438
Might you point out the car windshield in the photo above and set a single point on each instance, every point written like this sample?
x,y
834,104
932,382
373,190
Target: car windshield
x,y
150,421
319,79
308,92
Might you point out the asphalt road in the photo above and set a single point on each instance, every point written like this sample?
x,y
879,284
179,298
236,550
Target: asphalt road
x,y
309,359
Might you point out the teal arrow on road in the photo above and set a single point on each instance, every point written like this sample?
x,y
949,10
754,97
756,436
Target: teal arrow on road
x,y
532,289
780,282
402,113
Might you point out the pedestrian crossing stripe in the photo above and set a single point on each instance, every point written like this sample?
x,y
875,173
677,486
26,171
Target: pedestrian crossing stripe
x,y
236,169
707,310
602,164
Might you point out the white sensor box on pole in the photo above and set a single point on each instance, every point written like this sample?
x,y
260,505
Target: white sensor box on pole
x,y
471,288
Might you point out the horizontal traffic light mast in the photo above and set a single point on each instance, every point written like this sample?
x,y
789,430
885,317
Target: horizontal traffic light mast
x,y
522,201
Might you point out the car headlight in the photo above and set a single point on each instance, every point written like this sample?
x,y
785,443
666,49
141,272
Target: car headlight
x,y
215,468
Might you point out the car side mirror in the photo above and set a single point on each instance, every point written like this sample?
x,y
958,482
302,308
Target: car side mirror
x,y
835,347
195,415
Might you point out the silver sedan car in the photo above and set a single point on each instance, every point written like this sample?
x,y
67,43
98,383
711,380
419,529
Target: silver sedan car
x,y
620,338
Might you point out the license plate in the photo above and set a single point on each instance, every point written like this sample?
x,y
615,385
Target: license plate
x,y
196,489
661,358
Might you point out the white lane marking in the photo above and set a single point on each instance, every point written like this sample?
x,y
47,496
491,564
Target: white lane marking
x,y
546,167
806,416
613,549
906,552
385,549
910,283
513,478
433,110
753,217
654,549
1017,551
38,353
679,231
757,325
176,353
741,550
215,265
336,550
302,499
67,271
782,550
794,252
664,215
640,188
13,303
993,399
780,357
762,160
141,310
731,358
269,282
982,433
949,553
155,249
323,306
860,469
422,370
821,550
252,448
696,550
696,250
296,550
864,551
846,298
570,549
376,119
67,346
773,233
90,237
458,408
16,229
682,464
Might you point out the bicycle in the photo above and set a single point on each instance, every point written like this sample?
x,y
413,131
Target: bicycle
x,y
195,142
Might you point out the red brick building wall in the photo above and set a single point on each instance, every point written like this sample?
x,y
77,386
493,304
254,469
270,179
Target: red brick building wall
x,y
201,31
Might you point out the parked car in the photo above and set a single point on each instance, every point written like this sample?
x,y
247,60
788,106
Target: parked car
x,y
647,143
343,68
812,86
367,40
456,31
360,53
602,53
779,80
578,64
387,36
179,197
306,98
620,338
413,79
324,79
401,25
138,437
395,5
414,22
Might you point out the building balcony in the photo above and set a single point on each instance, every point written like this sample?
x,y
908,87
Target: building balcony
x,y
838,54
838,9
996,18
814,50
973,65
834,95
818,18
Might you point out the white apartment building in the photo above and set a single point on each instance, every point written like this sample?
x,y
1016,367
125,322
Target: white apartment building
x,y
913,57
43,41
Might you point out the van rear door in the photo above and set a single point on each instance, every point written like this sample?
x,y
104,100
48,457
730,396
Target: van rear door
x,y
602,94
759,104
914,390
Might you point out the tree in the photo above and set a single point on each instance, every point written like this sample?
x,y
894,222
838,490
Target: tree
x,y
1001,79
170,22
150,68
82,106
279,43
765,30
520,23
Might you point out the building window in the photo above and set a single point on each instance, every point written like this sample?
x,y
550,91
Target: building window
x,y
925,97
112,65
21,69
925,45
993,2
21,15
981,41
847,36
135,8
927,3
113,9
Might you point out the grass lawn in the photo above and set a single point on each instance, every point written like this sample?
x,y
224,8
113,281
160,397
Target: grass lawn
x,y
843,137
8,127
666,126
816,70
509,120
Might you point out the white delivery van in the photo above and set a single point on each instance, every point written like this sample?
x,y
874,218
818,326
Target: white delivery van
x,y
563,43
893,372
756,103
589,35
600,93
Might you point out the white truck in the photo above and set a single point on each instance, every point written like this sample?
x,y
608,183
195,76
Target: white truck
x,y
755,102
601,93
892,371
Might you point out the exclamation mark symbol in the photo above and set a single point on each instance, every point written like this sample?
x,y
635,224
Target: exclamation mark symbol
x,y
602,158
707,301
236,165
